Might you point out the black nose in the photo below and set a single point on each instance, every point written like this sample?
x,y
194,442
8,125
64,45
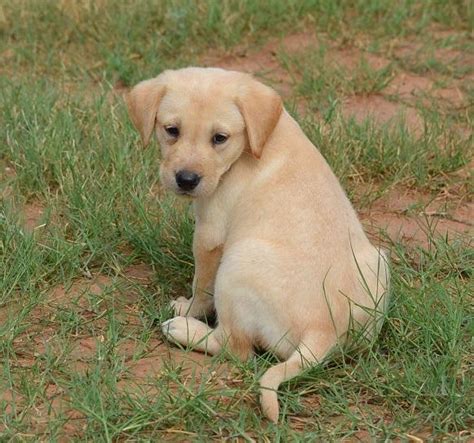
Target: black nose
x,y
187,180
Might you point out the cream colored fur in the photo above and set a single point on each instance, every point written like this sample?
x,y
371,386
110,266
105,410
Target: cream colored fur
x,y
279,252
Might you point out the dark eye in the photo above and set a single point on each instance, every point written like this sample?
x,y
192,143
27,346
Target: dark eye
x,y
173,131
219,138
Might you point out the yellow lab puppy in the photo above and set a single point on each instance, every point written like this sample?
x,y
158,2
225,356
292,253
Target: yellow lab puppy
x,y
279,252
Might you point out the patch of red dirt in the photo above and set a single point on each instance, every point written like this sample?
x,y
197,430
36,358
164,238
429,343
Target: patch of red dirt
x,y
413,217
9,398
80,287
453,96
138,271
454,57
164,357
450,57
407,85
411,88
406,49
32,215
6,170
381,110
350,58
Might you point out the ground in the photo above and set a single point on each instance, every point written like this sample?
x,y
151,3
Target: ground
x,y
92,250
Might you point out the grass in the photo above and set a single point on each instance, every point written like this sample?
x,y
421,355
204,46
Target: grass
x,y
81,352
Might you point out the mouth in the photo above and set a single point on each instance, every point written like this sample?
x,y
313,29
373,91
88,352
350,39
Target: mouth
x,y
182,193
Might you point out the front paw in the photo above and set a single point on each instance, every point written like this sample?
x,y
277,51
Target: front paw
x,y
182,307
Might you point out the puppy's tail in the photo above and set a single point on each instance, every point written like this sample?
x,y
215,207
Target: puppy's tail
x,y
273,377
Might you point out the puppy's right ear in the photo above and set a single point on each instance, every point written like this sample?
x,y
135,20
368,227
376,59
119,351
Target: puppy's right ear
x,y
261,108
143,102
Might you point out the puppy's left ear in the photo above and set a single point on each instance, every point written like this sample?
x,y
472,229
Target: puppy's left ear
x,y
261,108
143,102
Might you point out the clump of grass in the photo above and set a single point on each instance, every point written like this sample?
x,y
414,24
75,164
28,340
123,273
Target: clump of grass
x,y
390,154
133,41
323,79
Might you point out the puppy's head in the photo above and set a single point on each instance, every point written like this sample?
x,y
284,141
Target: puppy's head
x,y
204,119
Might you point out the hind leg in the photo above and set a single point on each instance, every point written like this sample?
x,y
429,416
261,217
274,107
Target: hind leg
x,y
198,336
190,332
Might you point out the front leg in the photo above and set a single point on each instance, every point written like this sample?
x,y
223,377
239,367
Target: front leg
x,y
202,303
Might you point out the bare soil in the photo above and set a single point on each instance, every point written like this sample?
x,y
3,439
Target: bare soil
x,y
382,111
412,217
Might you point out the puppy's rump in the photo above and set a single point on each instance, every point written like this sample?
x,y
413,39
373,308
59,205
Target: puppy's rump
x,y
368,305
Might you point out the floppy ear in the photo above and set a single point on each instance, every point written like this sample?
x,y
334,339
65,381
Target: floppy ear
x,y
143,102
261,108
